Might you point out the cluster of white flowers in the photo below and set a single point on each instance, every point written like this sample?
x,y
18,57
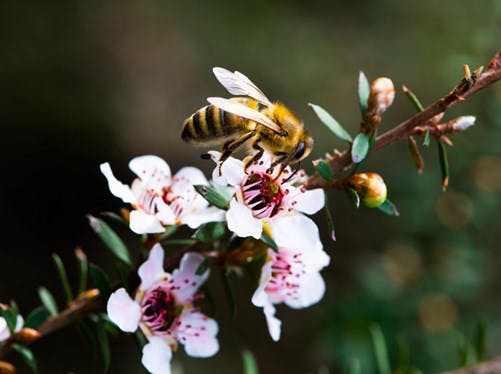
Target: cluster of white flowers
x,y
261,203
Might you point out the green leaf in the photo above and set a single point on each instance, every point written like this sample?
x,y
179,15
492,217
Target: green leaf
x,y
83,270
415,154
122,275
427,138
169,230
266,239
202,268
250,363
104,345
63,276
48,301
353,196
214,195
444,165
10,317
364,91
380,350
140,339
330,221
331,123
354,367
324,170
466,351
210,232
100,280
413,99
36,317
179,242
228,291
480,340
389,208
112,216
87,335
359,148
110,239
27,356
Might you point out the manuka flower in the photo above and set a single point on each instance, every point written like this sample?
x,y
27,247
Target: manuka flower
x,y
291,275
163,309
160,199
261,197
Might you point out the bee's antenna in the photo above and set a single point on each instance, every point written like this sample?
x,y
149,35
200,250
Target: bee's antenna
x,y
294,172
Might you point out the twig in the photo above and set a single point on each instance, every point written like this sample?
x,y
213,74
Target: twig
x,y
492,366
462,91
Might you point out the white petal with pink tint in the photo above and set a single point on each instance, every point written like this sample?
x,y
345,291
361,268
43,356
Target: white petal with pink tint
x,y
274,324
260,298
152,270
232,170
310,201
242,222
123,311
116,187
143,223
198,334
4,330
153,171
196,218
185,281
295,232
157,356
310,291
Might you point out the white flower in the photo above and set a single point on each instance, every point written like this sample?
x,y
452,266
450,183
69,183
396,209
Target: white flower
x,y
163,309
4,328
262,197
160,199
291,276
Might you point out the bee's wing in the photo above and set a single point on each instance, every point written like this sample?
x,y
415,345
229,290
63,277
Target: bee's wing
x,y
238,84
244,111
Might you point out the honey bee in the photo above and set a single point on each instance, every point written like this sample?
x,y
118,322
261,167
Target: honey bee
x,y
249,120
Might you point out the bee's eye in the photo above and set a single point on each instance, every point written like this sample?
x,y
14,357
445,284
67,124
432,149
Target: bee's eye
x,y
299,151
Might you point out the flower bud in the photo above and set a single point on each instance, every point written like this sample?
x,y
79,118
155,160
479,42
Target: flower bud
x,y
7,368
27,335
381,96
463,123
370,187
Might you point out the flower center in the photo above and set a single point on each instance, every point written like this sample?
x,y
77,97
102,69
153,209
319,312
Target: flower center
x,y
262,194
159,309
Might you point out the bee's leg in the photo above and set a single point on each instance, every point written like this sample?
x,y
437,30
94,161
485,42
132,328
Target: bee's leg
x,y
280,160
256,156
231,146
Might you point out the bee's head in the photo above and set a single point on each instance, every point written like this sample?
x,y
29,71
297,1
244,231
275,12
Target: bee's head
x,y
303,149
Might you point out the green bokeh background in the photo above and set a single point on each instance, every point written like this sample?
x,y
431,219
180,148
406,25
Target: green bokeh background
x,y
87,82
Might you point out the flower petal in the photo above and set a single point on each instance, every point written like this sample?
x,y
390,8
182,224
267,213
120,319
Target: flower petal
x,y
310,291
4,330
274,324
232,170
116,187
19,323
152,270
188,175
156,356
260,297
295,232
199,217
185,281
310,201
153,172
123,311
242,222
143,223
198,334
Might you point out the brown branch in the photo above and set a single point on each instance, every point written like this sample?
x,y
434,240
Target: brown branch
x,y
492,366
462,91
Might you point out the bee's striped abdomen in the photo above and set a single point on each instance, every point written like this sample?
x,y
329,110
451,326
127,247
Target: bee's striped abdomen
x,y
210,123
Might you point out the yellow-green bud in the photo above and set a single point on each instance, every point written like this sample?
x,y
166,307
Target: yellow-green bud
x,y
370,187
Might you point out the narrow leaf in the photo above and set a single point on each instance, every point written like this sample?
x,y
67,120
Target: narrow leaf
x,y
354,367
48,301
444,165
324,170
364,91
122,275
413,99
100,280
427,138
112,216
213,195
110,239
331,123
330,221
416,157
266,239
179,242
210,232
36,317
168,232
250,363
27,356
202,268
86,335
480,340
353,196
140,339
380,350
228,291
83,270
63,276
104,345
389,208
359,148
10,318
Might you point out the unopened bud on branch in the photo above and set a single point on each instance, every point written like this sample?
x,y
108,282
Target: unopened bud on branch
x,y
27,335
463,123
370,187
381,96
7,368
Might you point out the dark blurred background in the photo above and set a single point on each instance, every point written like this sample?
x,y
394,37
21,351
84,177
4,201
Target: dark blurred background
x,y
87,82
